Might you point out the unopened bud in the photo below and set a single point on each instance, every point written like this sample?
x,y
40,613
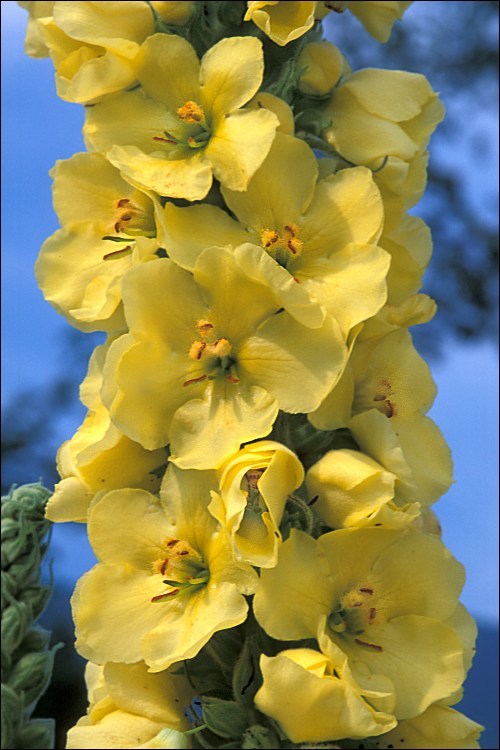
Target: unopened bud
x,y
323,64
174,13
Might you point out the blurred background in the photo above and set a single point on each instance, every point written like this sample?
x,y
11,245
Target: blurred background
x,y
456,46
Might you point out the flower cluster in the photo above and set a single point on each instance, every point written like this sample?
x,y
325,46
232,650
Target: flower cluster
x,y
256,469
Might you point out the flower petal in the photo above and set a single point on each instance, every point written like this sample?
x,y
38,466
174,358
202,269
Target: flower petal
x,y
297,365
159,56
205,431
239,144
280,190
192,229
231,73
112,610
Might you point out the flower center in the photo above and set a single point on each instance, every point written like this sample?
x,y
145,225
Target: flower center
x,y
354,614
382,401
252,526
191,113
284,246
193,133
132,218
183,567
214,353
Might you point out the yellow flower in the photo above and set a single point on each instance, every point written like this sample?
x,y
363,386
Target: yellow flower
x,y
174,12
254,486
410,247
322,64
378,16
314,697
99,457
178,131
130,707
285,21
108,226
400,111
166,581
282,110
34,44
354,490
282,22
312,242
384,373
387,609
414,450
209,360
93,45
414,310
438,727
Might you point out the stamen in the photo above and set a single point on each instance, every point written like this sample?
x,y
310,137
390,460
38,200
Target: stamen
x,y
373,614
195,380
169,138
220,348
164,596
197,349
232,379
191,113
122,202
389,409
373,646
204,327
115,254
366,591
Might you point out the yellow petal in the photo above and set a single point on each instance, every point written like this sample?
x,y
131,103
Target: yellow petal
x,y
122,597
192,229
239,144
296,593
349,486
103,23
437,727
282,21
282,110
189,178
297,365
205,431
159,56
278,193
314,708
346,208
231,73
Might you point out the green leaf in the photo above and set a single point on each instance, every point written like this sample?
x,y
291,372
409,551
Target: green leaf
x,y
37,735
246,675
258,736
224,718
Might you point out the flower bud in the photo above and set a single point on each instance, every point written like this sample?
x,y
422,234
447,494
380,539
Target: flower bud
x,y
15,622
172,12
323,64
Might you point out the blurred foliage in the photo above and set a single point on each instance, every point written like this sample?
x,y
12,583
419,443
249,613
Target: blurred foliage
x,y
456,47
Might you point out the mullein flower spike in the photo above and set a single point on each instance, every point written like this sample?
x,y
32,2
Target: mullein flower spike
x,y
256,468
27,659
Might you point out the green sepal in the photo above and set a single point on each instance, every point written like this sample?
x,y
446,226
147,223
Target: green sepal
x,y
224,718
299,515
12,712
247,677
37,735
31,674
16,619
258,736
